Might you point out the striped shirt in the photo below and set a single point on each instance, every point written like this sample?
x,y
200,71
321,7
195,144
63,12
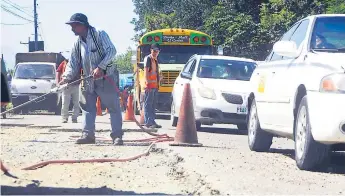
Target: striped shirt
x,y
90,58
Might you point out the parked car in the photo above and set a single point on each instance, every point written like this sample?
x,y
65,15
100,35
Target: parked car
x,y
31,80
299,91
220,87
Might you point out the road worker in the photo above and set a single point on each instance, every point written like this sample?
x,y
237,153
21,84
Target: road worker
x,y
72,92
151,85
93,54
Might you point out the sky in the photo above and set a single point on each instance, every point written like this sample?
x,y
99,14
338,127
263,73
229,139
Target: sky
x,y
113,16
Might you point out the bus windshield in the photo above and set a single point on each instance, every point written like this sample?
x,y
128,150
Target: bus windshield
x,y
175,54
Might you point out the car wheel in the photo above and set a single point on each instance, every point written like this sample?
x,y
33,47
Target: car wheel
x,y
258,140
198,125
173,118
3,109
242,127
309,154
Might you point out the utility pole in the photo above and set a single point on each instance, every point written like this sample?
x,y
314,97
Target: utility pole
x,y
36,25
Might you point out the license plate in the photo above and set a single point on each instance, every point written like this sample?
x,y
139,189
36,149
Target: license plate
x,y
241,110
32,97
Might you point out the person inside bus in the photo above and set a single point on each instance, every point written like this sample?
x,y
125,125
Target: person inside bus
x,y
151,85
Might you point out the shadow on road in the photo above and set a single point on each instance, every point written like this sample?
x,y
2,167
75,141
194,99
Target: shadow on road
x,y
163,116
222,131
33,189
336,163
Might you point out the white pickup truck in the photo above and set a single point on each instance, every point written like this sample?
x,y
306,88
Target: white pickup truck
x,y
31,80
299,91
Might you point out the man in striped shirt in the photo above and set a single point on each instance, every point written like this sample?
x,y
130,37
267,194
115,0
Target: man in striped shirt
x,y
92,54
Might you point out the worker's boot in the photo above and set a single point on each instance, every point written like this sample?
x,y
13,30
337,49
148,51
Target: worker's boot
x,y
86,139
117,141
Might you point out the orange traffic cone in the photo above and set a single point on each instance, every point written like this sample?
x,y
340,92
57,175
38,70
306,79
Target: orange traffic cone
x,y
98,106
186,134
129,115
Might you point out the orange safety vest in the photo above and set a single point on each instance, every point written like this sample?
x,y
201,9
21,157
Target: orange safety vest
x,y
152,75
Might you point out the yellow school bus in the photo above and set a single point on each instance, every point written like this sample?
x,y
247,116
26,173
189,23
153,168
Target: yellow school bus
x,y
176,47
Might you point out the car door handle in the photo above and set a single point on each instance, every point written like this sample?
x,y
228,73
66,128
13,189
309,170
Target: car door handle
x,y
273,72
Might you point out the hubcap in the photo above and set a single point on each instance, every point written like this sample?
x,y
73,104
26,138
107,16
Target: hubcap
x,y
252,124
301,130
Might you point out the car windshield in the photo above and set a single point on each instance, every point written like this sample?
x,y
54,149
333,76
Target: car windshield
x,y
329,34
176,54
34,71
225,69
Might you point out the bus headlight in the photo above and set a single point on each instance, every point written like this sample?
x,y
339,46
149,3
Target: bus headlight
x,y
333,83
207,93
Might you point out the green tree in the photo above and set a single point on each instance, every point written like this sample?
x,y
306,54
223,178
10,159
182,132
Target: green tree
x,y
246,28
123,62
335,6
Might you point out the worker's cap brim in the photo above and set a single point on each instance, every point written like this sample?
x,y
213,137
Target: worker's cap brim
x,y
73,22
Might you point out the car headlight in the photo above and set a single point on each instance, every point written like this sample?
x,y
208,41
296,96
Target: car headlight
x,y
53,85
333,83
14,89
207,93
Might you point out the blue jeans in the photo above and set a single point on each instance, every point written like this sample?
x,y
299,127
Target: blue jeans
x,y
150,98
110,99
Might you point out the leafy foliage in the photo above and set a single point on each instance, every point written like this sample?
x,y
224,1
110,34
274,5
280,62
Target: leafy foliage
x,y
245,28
123,62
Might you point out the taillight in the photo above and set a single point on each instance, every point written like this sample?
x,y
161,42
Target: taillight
x,y
149,38
196,39
203,38
157,38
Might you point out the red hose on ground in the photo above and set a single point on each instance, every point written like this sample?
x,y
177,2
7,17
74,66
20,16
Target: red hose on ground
x,y
156,139
147,151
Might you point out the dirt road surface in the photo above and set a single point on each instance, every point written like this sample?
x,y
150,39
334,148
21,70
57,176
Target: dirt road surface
x,y
223,166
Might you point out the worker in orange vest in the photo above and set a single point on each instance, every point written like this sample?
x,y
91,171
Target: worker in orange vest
x,y
151,85
71,92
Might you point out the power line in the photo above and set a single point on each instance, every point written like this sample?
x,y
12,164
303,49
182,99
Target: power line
x,y
16,7
9,11
15,24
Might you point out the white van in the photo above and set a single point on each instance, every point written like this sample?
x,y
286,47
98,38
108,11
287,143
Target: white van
x,y
31,80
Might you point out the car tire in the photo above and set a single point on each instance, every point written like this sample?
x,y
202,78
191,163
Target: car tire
x,y
3,109
198,125
258,139
309,154
242,127
173,118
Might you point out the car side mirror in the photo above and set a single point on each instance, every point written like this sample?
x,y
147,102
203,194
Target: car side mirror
x,y
286,48
186,75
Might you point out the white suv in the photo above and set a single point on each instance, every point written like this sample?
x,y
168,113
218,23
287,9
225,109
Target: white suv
x,y
299,91
219,85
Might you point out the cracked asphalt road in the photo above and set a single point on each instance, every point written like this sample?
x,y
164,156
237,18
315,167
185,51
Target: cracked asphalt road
x,y
223,166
